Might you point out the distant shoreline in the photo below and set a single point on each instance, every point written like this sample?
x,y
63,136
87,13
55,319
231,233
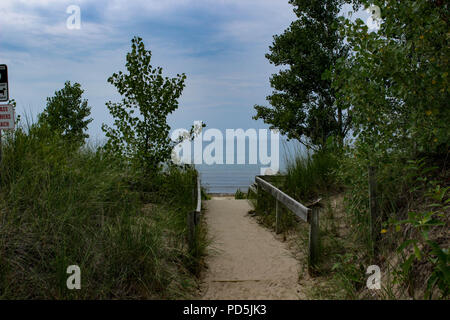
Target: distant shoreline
x,y
221,194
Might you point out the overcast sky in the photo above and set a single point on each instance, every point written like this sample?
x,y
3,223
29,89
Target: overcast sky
x,y
219,44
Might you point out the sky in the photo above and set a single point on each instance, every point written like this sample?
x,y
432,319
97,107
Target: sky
x,y
219,44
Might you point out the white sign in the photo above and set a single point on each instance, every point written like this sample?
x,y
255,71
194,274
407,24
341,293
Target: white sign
x,y
6,117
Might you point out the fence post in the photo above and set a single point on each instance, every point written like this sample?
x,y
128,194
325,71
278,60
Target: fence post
x,y
374,227
197,195
1,157
194,190
313,239
277,216
191,229
258,196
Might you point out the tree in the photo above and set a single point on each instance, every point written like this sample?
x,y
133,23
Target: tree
x,y
396,83
143,137
397,79
66,113
303,104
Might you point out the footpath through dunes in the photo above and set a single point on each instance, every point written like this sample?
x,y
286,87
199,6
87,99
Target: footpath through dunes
x,y
245,261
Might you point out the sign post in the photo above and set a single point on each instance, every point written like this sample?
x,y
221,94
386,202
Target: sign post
x,y
6,111
4,88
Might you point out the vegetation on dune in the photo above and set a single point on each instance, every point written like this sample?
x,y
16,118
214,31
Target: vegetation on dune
x,y
394,88
311,176
357,98
140,131
239,195
304,105
66,114
64,203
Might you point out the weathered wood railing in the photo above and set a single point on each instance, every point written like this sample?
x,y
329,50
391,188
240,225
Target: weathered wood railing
x,y
194,216
310,215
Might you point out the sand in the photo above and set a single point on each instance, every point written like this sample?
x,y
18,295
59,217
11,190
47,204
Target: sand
x,y
245,260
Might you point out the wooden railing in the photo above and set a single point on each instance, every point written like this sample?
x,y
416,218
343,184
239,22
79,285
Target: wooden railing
x,y
308,214
194,216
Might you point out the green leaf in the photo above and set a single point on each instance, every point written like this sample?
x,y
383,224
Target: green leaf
x,y
417,252
405,244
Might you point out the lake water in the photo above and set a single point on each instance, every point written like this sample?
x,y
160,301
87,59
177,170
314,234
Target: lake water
x,y
225,178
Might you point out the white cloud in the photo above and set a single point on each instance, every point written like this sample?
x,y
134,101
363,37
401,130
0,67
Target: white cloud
x,y
43,53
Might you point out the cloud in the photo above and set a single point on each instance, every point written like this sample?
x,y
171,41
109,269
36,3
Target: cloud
x,y
219,44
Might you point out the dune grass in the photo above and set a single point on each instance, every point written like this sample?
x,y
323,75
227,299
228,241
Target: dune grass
x,y
307,177
61,205
310,175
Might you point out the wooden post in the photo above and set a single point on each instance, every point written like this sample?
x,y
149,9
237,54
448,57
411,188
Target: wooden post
x,y
196,218
194,198
374,223
195,195
277,216
313,239
258,196
1,158
191,229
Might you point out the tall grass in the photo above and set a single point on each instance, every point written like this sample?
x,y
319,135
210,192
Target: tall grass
x,y
61,206
310,175
307,177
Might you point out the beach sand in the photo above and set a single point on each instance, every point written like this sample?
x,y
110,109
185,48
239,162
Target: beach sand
x,y
245,260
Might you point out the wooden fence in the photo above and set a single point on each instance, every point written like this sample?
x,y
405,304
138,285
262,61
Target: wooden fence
x,y
194,216
308,214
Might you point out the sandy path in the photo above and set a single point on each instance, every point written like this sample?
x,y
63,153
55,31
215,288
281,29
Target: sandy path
x,y
245,260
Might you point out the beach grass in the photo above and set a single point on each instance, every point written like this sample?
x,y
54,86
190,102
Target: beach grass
x,y
61,205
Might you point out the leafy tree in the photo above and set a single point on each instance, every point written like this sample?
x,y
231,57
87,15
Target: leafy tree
x,y
143,137
396,87
397,80
303,104
66,113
